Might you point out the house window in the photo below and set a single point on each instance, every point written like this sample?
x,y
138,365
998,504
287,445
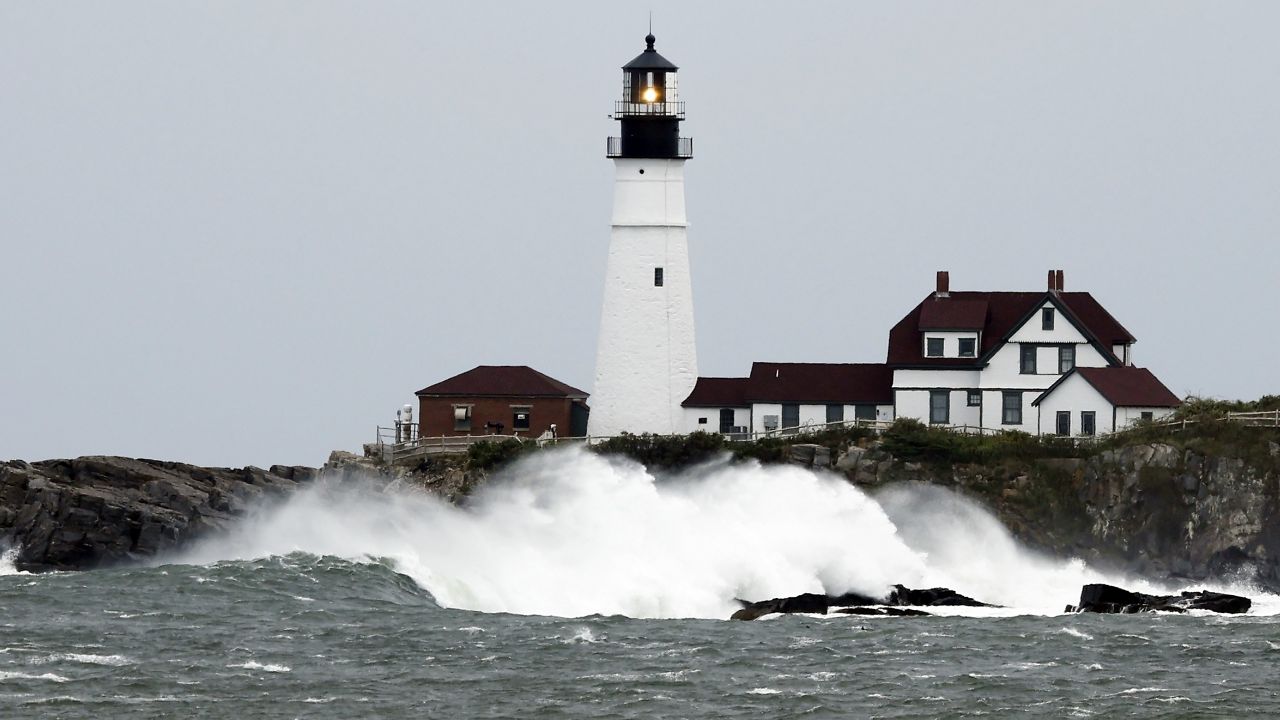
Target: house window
x,y
1012,408
790,416
933,347
461,417
967,346
1028,359
939,407
1066,358
520,417
864,412
1148,416
1088,423
835,413
975,398
702,421
726,421
1046,319
657,277
1064,422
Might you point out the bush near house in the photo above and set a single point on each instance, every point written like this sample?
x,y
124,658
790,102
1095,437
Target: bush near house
x,y
1206,431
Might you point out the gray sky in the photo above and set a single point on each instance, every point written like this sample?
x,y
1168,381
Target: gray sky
x,y
246,232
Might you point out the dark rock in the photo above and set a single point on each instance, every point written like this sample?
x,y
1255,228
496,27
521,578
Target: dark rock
x,y
95,511
863,604
884,611
1100,598
806,603
852,598
932,596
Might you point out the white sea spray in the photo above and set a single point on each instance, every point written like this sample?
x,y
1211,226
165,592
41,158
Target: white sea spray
x,y
570,533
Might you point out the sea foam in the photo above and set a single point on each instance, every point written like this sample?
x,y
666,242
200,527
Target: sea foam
x,y
570,533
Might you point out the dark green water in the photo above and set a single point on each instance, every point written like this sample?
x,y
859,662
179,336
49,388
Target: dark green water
x,y
315,637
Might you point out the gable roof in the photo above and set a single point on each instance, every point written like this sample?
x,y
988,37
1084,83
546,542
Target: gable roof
x,y
848,383
718,392
1005,313
957,315
1122,386
502,381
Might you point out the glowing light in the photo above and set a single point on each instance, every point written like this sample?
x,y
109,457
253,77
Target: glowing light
x,y
650,95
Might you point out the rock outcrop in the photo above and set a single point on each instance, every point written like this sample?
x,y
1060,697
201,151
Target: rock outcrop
x,y
1100,598
900,602
96,511
1155,510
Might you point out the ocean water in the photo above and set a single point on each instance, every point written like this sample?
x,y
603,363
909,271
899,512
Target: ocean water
x,y
581,588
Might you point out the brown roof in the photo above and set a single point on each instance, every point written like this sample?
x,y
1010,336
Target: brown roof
x,y
946,314
502,381
718,392
1128,387
820,383
1005,312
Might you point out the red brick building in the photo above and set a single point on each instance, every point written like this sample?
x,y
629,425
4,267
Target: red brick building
x,y
502,400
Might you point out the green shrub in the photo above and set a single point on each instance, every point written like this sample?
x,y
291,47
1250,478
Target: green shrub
x,y
912,440
488,455
664,451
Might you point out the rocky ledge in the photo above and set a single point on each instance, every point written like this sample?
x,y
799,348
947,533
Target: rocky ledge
x,y
1099,598
96,511
900,601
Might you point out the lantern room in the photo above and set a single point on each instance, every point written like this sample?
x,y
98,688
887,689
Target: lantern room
x,y
650,109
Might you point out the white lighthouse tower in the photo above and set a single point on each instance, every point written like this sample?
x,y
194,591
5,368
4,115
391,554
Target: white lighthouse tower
x,y
646,362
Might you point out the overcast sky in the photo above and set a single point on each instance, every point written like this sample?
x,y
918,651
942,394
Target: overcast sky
x,y
246,232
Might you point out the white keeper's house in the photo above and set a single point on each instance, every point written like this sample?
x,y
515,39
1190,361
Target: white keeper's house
x,y
1048,362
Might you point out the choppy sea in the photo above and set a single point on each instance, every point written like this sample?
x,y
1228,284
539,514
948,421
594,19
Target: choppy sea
x,y
575,587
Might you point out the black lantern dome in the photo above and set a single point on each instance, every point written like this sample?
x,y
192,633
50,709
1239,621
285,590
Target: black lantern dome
x,y
650,109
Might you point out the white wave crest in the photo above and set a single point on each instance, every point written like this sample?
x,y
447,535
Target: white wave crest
x,y
570,533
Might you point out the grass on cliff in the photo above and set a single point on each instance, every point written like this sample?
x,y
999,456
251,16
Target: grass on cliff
x,y
1207,431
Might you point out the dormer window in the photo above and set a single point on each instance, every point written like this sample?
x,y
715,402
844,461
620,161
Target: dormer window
x,y
1046,319
933,347
967,346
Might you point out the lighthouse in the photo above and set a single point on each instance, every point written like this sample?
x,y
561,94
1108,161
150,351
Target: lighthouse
x,y
646,362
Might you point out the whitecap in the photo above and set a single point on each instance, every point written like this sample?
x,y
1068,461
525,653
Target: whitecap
x,y
763,691
1075,633
254,665
581,635
84,658
12,675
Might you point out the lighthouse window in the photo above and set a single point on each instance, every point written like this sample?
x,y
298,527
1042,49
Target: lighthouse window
x,y
657,277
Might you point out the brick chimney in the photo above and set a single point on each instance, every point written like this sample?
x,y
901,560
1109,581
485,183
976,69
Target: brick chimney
x,y
1053,281
1061,287
944,285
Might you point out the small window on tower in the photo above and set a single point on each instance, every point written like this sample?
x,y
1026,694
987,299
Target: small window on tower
x,y
657,277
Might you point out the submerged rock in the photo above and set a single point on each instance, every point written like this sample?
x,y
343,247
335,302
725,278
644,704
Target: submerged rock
x,y
1100,598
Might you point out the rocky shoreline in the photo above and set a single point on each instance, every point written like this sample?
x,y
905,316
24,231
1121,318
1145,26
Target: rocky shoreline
x,y
97,511
1152,509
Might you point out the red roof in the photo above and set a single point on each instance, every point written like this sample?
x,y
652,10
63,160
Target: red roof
x,y
502,381
1129,387
945,314
718,392
849,383
1005,312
